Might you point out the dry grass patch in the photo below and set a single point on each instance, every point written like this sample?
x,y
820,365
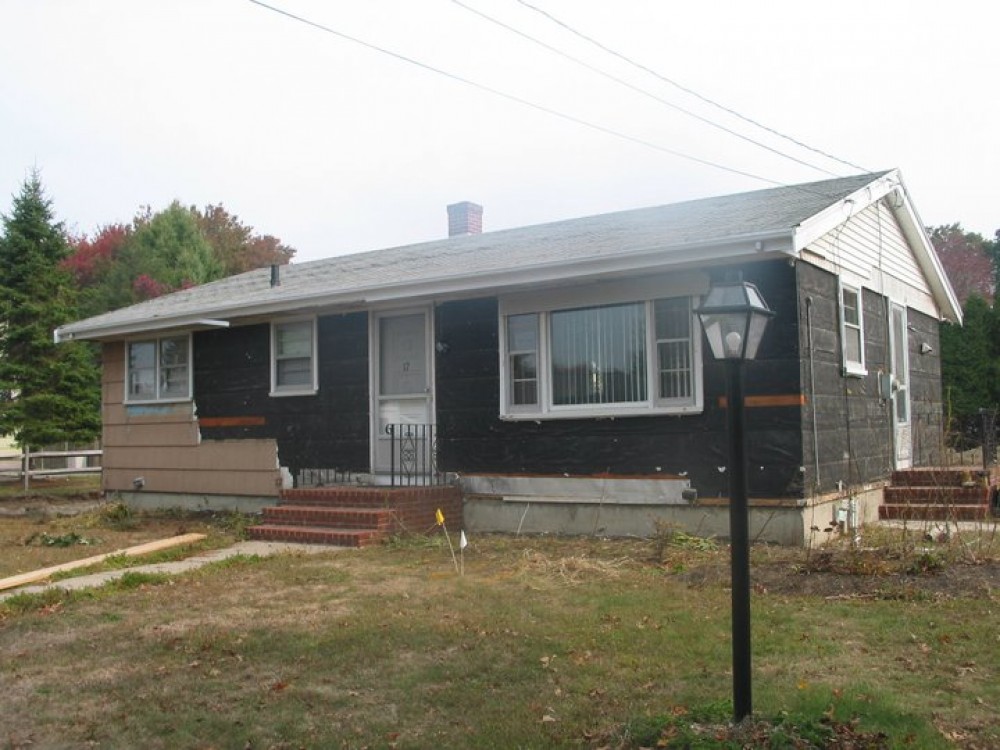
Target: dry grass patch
x,y
34,540
545,642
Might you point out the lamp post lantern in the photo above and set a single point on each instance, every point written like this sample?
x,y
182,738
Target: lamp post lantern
x,y
734,317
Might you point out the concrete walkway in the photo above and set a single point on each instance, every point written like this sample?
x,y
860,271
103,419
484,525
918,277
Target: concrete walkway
x,y
249,549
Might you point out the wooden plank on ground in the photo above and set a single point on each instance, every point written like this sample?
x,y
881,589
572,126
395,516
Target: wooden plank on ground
x,y
140,549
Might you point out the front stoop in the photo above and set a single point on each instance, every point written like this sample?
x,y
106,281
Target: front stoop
x,y
937,494
351,516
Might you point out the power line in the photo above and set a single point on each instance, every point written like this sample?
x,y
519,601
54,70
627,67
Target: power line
x,y
686,89
512,97
640,90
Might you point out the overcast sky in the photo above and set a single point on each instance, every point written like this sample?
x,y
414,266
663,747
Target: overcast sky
x,y
335,147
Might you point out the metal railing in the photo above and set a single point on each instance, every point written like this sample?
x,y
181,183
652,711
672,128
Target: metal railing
x,y
413,455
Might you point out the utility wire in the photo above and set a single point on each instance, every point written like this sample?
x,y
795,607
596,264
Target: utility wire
x,y
640,90
684,88
513,98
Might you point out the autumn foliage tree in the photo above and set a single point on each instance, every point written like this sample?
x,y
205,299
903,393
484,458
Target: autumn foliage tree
x,y
236,245
161,252
967,261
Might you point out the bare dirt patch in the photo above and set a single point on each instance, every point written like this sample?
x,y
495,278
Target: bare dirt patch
x,y
48,497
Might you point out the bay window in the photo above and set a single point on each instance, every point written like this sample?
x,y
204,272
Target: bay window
x,y
616,359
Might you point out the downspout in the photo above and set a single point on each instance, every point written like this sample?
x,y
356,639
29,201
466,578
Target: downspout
x,y
812,390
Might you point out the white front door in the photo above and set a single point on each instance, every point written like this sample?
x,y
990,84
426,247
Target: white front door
x,y
402,378
900,398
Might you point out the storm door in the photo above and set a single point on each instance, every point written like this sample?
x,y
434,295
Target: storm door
x,y
403,412
900,397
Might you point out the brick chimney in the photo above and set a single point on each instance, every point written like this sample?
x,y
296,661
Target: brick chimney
x,y
465,218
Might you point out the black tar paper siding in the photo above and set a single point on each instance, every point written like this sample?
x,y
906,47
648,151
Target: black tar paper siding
x,y
325,430
473,438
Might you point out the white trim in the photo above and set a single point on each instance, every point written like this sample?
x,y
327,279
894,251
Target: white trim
x,y
184,323
851,367
155,340
374,365
890,187
307,390
901,428
820,224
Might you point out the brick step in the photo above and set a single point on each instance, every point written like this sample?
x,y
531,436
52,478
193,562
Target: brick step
x,y
933,512
938,495
380,519
316,535
341,497
938,477
369,497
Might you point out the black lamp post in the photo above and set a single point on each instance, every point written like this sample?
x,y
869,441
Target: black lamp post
x,y
734,317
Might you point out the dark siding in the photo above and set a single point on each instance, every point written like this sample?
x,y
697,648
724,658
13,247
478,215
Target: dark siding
x,y
927,403
329,429
472,438
853,423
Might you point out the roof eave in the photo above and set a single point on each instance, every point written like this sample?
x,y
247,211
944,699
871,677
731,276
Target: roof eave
x,y
749,246
99,333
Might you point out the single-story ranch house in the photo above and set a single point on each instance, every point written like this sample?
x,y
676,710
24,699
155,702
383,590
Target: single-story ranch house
x,y
555,373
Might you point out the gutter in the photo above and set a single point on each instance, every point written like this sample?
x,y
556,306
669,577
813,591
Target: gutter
x,y
59,335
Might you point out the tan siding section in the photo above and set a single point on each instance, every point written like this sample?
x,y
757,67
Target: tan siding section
x,y
162,444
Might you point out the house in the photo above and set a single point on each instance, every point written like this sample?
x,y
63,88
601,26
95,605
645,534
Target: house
x,y
556,372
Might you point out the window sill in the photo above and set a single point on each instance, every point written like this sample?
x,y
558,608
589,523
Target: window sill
x,y
160,401
612,413
282,394
854,371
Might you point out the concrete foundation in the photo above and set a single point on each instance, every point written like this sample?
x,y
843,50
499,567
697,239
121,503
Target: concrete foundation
x,y
191,502
642,507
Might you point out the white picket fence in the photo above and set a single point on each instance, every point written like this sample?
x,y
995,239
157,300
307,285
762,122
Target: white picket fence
x,y
21,465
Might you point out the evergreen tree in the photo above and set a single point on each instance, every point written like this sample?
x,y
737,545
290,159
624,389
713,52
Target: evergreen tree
x,y
49,393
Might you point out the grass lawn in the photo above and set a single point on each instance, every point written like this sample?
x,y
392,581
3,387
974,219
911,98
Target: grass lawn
x,y
544,642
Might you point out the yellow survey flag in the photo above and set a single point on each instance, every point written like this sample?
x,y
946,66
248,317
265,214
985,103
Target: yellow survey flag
x,y
439,517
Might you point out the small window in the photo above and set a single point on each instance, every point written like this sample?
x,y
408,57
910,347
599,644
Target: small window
x,y
522,354
293,360
852,331
673,348
159,369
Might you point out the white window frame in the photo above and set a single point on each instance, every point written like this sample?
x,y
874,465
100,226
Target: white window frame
x,y
545,409
307,389
852,367
157,398
509,359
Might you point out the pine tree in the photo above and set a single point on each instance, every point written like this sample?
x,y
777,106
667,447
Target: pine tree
x,y
49,393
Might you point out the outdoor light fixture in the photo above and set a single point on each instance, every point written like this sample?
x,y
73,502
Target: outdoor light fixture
x,y
734,317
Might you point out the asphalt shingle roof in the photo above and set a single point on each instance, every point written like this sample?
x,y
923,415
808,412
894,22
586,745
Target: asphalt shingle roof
x,y
705,221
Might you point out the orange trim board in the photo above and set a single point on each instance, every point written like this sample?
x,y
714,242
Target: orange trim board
x,y
788,399
232,421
